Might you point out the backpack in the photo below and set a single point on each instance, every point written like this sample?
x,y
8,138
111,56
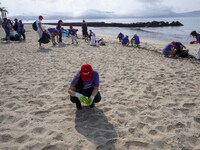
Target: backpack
x,y
34,26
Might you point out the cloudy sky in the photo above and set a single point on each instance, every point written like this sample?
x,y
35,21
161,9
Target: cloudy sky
x,y
117,7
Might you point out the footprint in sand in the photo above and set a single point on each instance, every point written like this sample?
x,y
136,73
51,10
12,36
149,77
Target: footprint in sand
x,y
39,130
23,123
10,105
22,139
5,138
189,105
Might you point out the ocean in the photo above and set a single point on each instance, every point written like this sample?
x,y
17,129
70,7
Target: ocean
x,y
181,34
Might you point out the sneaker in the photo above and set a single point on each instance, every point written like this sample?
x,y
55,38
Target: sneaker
x,y
79,108
92,106
40,47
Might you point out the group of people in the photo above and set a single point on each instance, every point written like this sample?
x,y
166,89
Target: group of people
x,y
124,39
55,34
14,30
177,49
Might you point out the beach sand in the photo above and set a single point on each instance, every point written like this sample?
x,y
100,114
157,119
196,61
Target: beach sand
x,y
149,102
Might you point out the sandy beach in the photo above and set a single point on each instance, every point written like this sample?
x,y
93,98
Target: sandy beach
x,y
149,102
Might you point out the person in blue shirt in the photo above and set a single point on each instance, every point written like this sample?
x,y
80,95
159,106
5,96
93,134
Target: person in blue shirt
x,y
120,36
73,34
125,41
136,40
53,32
169,50
178,46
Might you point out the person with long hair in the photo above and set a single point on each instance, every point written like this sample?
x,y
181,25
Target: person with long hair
x,y
197,36
59,28
84,87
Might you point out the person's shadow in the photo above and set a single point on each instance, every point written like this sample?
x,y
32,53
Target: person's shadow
x,y
94,125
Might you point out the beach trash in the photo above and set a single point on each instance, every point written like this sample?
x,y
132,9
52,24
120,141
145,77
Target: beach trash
x,y
65,33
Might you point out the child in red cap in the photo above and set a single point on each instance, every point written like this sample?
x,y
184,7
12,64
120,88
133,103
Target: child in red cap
x,y
84,87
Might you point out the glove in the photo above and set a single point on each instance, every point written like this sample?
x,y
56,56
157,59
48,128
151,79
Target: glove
x,y
90,100
83,99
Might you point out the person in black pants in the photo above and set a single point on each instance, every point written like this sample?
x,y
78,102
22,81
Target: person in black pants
x,y
84,88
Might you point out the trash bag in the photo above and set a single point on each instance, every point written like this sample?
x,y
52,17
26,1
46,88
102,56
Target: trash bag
x,y
183,53
45,38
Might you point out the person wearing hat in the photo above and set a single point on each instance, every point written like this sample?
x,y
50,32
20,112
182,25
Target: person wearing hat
x,y
84,87
178,46
40,30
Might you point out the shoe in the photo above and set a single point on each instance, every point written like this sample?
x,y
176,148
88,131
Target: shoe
x,y
79,108
40,47
92,106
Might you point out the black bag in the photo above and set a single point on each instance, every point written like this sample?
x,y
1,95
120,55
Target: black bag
x,y
17,37
183,53
34,26
45,38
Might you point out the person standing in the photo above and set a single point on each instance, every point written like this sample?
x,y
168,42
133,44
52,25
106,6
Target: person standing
x,y
73,34
6,26
17,28
60,29
40,30
197,36
84,87
21,29
84,29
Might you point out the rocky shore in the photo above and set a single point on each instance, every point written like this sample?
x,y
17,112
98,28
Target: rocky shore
x,y
138,24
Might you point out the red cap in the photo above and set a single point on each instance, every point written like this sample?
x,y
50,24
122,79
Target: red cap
x,y
173,43
40,17
86,72
60,21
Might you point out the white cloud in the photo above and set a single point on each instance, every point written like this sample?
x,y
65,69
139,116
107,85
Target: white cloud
x,y
119,7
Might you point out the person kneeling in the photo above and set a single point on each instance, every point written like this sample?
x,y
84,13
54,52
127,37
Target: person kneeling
x,y
169,50
84,88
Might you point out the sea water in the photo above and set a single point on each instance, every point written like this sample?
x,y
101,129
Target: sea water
x,y
181,33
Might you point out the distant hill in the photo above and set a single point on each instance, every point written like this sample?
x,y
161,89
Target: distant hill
x,y
190,14
105,15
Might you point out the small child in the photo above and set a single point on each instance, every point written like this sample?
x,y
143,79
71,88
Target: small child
x,y
136,40
73,34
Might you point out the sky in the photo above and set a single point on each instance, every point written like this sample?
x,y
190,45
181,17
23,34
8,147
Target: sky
x,y
76,8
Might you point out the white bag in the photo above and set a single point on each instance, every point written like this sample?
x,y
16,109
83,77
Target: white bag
x,y
198,53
